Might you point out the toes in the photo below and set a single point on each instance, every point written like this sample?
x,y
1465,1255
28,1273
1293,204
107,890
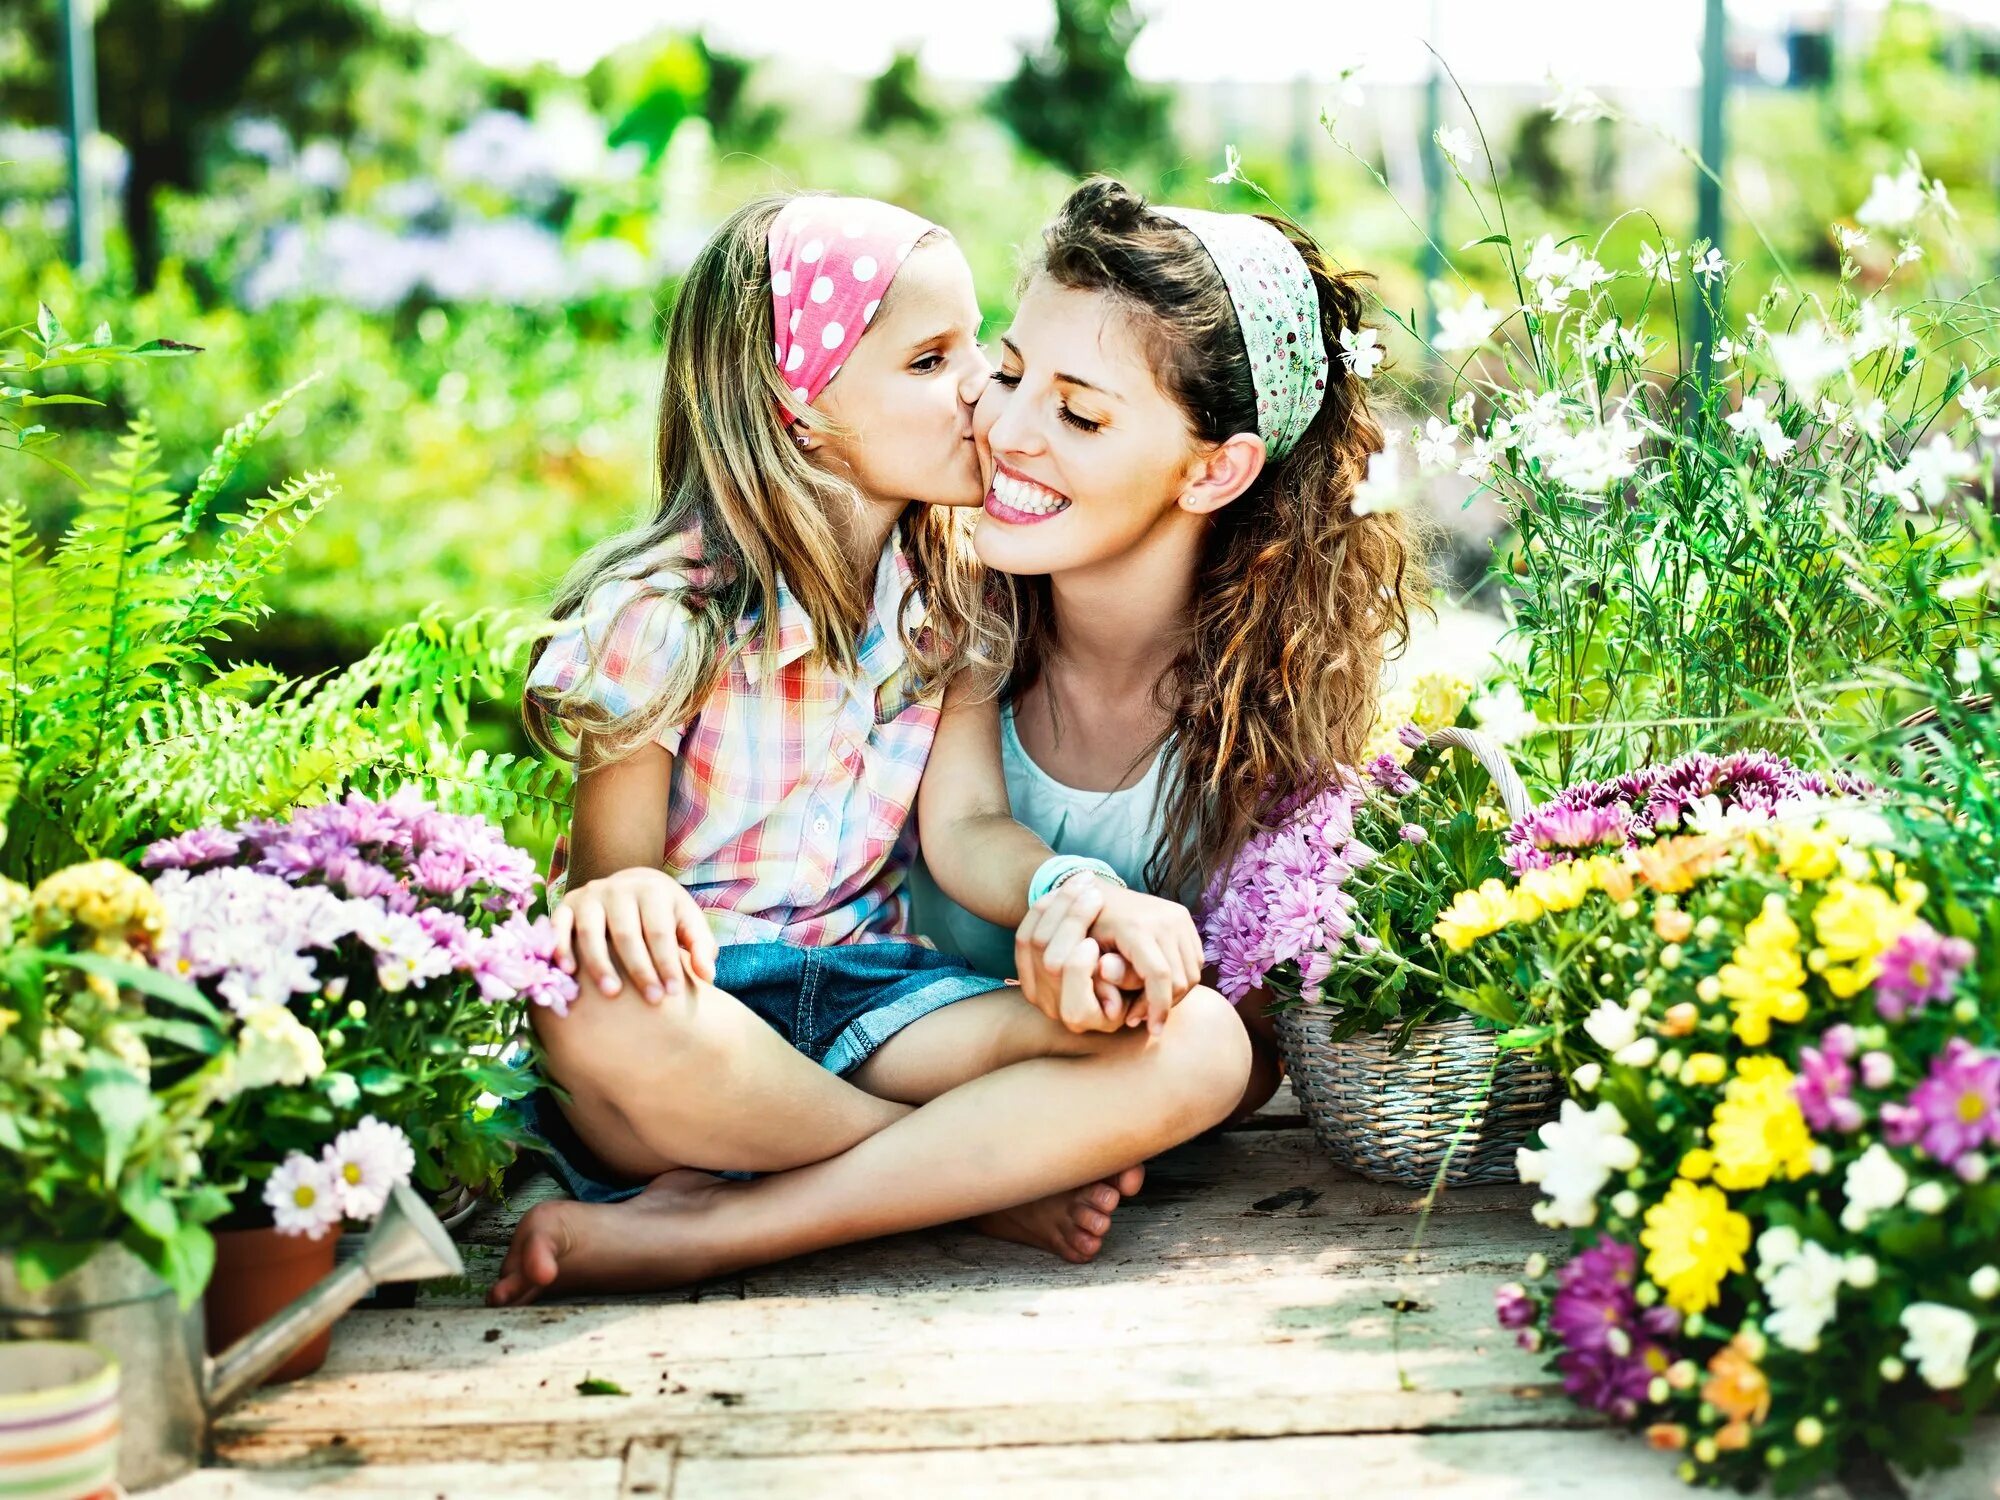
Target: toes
x,y
1085,1246
1101,1197
1091,1222
1130,1180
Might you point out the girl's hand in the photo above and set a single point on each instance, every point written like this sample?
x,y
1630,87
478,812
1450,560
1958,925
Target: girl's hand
x,y
1157,940
644,918
1064,972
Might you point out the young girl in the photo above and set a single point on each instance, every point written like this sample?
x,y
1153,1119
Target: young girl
x,y
1173,444
758,677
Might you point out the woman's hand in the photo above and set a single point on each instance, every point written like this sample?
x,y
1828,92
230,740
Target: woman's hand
x,y
646,920
1157,939
1064,972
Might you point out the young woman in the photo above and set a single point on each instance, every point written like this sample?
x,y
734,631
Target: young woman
x,y
1171,442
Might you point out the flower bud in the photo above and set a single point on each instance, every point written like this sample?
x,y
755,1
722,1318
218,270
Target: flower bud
x,y
1860,1272
1928,1198
1536,1266
1986,1283
1658,1392
357,1010
1670,956
1704,1450
1625,1204
1682,1374
1628,908
1587,1077
1709,990
1707,928
1965,1011
1892,1368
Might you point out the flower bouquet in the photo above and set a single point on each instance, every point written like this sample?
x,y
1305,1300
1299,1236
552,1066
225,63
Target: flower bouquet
x,y
1330,913
375,958
1776,1164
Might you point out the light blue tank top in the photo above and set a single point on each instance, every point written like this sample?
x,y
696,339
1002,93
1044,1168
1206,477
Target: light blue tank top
x,y
1121,828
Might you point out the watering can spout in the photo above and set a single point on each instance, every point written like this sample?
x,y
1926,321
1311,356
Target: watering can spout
x,y
406,1244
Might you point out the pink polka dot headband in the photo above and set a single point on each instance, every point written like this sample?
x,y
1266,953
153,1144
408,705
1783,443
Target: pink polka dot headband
x,y
832,260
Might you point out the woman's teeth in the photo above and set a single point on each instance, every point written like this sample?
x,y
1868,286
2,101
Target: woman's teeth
x,y
1027,497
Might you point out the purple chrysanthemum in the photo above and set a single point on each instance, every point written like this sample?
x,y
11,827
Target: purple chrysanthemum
x,y
1611,1348
1825,1084
192,850
1920,967
1955,1110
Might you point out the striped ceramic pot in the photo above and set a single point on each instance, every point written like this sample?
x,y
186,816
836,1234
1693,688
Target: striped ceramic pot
x,y
58,1421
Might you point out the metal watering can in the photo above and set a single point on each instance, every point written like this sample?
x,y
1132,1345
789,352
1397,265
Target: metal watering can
x,y
169,1388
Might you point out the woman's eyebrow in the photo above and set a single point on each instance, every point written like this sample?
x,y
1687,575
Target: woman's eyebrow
x,y
1075,380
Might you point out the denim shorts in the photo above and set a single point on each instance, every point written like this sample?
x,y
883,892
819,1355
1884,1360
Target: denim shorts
x,y
835,1004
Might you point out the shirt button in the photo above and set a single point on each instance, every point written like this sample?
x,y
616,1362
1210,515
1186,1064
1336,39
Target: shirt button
x,y
820,825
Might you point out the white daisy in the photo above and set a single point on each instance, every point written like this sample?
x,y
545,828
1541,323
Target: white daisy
x,y
301,1197
365,1164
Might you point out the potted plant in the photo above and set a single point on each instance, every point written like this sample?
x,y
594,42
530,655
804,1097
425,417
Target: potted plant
x,y
374,959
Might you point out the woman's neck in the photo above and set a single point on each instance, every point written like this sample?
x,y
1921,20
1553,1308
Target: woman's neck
x,y
1119,624
866,533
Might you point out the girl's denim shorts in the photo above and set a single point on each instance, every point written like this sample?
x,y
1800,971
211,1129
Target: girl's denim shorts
x,y
834,1004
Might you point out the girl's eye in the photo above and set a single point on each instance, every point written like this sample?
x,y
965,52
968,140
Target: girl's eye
x,y
1081,424
1001,377
925,363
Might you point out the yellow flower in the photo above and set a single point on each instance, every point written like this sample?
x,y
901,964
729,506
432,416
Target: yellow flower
x,y
1474,914
1693,1239
1855,923
1759,1131
1673,865
1698,1164
1439,698
117,906
1764,979
1808,853
1704,1069
1559,887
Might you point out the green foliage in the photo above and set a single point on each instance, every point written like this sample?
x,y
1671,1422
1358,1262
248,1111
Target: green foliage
x,y
1076,102
896,96
119,726
107,1074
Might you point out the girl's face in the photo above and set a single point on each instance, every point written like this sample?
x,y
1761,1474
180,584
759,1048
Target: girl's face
x,y
1085,456
905,395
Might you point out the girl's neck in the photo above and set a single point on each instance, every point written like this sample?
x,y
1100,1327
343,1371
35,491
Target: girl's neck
x,y
867,532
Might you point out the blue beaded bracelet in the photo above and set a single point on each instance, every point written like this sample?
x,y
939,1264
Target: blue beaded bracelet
x,y
1054,870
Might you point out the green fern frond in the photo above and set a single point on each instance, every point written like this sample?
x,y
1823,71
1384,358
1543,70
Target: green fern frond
x,y
230,452
223,589
27,620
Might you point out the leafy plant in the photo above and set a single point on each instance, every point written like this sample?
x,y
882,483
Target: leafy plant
x,y
118,726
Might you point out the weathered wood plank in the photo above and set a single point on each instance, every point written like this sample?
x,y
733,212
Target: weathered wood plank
x,y
1508,1465
1977,1478
573,1479
1147,1361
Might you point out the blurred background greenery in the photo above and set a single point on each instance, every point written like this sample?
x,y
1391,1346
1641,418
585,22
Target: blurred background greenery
x,y
469,217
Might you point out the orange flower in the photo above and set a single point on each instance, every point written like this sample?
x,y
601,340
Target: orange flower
x,y
1734,1437
1674,865
1668,1436
1736,1387
1672,923
1680,1020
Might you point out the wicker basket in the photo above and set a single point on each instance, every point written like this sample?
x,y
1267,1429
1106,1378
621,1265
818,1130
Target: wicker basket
x,y
1392,1116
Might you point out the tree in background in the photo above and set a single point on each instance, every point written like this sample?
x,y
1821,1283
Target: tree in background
x,y
648,87
1075,100
896,96
169,72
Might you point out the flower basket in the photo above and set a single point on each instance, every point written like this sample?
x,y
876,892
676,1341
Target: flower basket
x,y
1392,1115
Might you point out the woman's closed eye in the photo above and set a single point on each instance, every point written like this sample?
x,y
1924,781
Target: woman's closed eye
x,y
1081,424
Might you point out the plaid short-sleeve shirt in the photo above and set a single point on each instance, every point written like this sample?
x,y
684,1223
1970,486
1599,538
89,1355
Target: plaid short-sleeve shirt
x,y
788,812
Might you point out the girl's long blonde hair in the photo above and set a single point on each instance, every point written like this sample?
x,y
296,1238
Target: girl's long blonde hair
x,y
1297,596
740,505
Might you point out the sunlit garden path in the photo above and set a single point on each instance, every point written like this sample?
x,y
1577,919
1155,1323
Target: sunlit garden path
x,y
1237,1337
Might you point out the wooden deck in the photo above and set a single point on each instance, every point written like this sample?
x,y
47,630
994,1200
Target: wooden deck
x,y
1238,1337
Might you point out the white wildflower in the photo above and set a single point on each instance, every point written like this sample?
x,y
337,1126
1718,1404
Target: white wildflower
x,y
1807,357
1502,716
1612,1025
1463,408
1751,419
1454,143
1874,1182
301,1197
367,1163
1580,1150
1940,1341
1467,326
1802,1280
1381,489
1575,105
1657,265
1362,351
1907,251
1435,446
1849,238
1711,265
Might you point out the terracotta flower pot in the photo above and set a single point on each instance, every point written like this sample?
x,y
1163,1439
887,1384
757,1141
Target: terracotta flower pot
x,y
259,1272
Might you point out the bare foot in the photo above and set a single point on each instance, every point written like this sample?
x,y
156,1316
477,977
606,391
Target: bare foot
x,y
1071,1224
643,1244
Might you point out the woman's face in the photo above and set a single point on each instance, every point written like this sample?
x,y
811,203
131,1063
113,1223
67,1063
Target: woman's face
x,y
1084,454
906,393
